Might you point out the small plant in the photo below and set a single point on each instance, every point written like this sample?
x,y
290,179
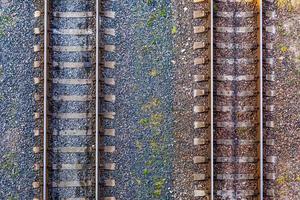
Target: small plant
x,y
163,12
153,72
156,119
284,49
151,20
174,30
144,121
158,186
150,2
216,8
146,172
138,145
281,180
153,103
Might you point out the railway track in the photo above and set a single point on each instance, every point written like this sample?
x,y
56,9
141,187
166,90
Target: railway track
x,y
75,101
236,101
270,158
70,86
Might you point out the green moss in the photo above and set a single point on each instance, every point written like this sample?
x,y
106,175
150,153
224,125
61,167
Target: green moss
x,y
163,11
284,49
13,197
151,20
158,186
144,121
5,21
146,172
153,103
138,181
174,30
149,2
156,119
281,180
153,72
149,162
9,165
157,193
216,8
154,145
138,145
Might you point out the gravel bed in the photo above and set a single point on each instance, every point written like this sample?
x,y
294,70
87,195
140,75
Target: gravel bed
x,y
236,86
16,99
286,114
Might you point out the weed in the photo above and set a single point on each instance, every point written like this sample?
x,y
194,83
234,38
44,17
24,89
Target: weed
x,y
151,20
174,30
150,2
149,162
215,8
146,172
163,12
144,121
284,49
138,145
153,72
158,186
281,180
156,119
153,103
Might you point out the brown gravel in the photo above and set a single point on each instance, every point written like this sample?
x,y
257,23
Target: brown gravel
x,y
286,114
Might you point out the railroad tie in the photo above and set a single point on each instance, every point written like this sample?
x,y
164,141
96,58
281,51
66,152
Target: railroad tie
x,y
72,31
200,109
231,108
242,159
269,124
229,142
270,142
235,177
36,64
270,29
200,193
245,14
199,61
270,108
246,29
72,48
200,159
80,98
270,176
270,77
199,14
110,31
199,29
232,61
232,194
200,124
200,141
235,78
245,124
73,14
200,78
199,177
66,184
72,65
109,14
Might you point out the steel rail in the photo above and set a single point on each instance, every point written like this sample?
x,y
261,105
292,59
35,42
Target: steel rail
x,y
97,105
211,99
45,161
261,98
